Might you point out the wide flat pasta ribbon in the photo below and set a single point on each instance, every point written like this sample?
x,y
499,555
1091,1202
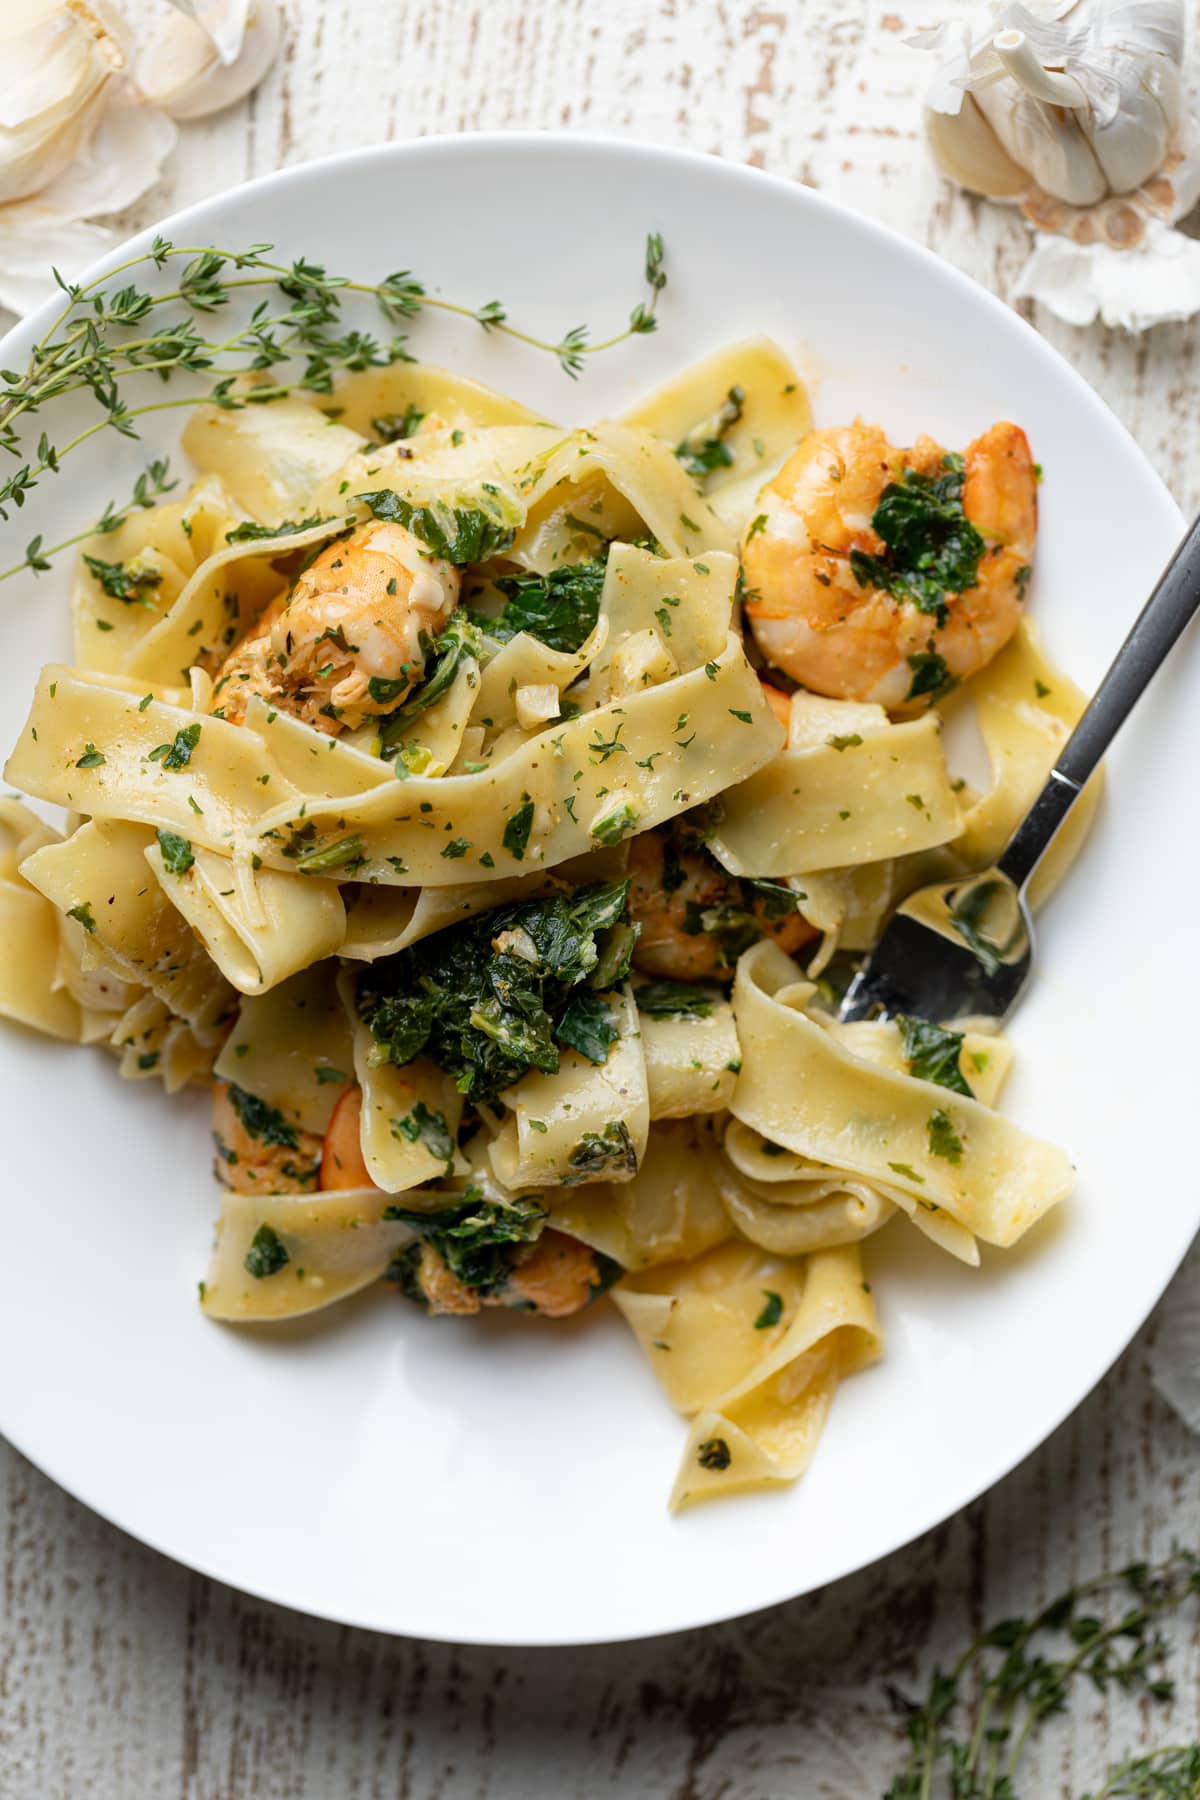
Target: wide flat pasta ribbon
x,y
849,788
321,1248
943,1157
751,1348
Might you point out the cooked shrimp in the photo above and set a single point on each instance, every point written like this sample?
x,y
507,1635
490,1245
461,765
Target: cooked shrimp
x,y
555,1276
258,1150
342,1161
820,602
346,644
695,918
779,702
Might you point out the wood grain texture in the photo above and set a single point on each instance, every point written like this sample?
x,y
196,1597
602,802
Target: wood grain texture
x,y
123,1677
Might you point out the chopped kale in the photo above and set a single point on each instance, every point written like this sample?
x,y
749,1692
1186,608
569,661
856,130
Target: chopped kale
x,y
421,1126
262,1121
933,1053
486,1014
459,534
248,532
459,643
704,449
475,1237
932,549
601,1153
930,674
675,1000
587,1025
404,1270
560,609
128,582
714,1453
266,1255
775,899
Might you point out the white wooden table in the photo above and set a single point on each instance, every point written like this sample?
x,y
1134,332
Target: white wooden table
x,y
123,1677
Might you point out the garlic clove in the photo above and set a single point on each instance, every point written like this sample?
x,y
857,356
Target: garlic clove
x,y
1048,141
181,69
967,150
1129,148
122,158
223,22
55,62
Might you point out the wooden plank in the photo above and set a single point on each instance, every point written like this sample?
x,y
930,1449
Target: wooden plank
x,y
122,1675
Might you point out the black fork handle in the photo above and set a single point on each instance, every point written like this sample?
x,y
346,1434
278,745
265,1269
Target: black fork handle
x,y
1164,618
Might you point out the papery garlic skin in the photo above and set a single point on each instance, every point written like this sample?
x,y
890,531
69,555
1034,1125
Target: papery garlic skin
x,y
55,63
122,157
184,69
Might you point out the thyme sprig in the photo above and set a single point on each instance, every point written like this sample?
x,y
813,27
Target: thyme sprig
x,y
114,330
1104,1631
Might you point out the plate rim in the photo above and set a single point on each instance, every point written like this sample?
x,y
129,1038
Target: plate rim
x,y
632,150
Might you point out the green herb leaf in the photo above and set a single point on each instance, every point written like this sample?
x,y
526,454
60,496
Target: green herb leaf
x,y
266,1255
933,1053
178,755
515,838
560,608
704,450
586,1025
458,534
772,1311
262,1121
421,1126
249,531
82,912
675,1000
391,427
128,582
930,674
176,852
944,1141
485,1014
601,1153
714,1453
932,549
475,1237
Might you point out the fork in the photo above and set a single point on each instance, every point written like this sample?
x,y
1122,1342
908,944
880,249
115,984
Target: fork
x,y
964,948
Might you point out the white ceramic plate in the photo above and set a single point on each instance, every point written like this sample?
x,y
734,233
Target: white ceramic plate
x,y
505,1481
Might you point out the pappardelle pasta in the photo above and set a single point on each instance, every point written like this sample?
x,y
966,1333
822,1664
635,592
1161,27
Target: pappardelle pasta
x,y
491,812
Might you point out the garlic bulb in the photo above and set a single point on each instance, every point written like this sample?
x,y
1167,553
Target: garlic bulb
x,y
1076,111
200,64
55,63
